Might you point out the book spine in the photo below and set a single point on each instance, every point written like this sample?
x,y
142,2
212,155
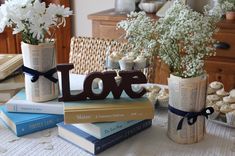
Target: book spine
x,y
108,115
117,127
34,108
116,138
108,129
41,124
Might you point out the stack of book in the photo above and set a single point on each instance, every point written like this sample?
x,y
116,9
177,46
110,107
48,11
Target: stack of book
x,y
10,86
11,78
18,113
24,117
9,63
95,125
92,125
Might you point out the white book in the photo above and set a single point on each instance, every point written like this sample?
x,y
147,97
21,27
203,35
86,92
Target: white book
x,y
19,104
6,95
9,63
14,82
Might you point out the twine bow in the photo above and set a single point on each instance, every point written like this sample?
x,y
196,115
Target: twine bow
x,y
190,116
48,74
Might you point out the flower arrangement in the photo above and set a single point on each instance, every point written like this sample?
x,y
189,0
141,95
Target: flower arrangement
x,y
185,40
222,6
140,33
182,39
227,5
33,19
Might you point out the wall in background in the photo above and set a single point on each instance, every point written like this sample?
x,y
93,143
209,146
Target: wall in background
x,y
81,25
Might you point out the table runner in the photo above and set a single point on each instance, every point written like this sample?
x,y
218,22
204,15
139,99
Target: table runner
x,y
219,140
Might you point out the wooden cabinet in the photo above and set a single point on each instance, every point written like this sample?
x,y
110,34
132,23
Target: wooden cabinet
x,y
11,43
104,24
220,68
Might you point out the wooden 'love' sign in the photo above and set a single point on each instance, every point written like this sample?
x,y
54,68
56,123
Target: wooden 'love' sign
x,y
109,84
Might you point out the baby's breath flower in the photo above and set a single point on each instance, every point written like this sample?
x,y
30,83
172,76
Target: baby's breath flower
x,y
182,39
185,39
221,7
140,33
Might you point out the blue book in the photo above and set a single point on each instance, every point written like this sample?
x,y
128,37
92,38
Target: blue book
x,y
104,129
94,145
23,123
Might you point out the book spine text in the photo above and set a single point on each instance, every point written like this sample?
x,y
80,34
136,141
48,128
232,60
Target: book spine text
x,y
109,129
107,115
26,108
41,124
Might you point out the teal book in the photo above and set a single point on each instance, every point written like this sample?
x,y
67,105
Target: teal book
x,y
25,123
105,129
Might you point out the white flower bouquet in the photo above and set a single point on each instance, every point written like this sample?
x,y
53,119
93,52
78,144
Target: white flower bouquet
x,y
222,6
140,33
33,19
185,39
37,24
182,39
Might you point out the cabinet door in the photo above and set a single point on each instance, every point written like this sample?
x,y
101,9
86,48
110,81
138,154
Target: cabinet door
x,y
106,29
8,42
162,72
227,44
217,70
222,71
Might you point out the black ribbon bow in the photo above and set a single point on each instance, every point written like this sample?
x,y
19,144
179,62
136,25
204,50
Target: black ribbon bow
x,y
190,116
48,74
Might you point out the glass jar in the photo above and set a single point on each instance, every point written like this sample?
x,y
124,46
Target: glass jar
x,y
124,6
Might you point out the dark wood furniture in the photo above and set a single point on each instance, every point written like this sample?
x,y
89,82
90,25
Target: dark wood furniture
x,y
11,43
220,68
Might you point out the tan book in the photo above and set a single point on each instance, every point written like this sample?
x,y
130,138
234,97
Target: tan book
x,y
6,95
9,63
108,110
13,82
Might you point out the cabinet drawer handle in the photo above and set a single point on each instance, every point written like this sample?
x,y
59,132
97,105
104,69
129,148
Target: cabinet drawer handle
x,y
222,45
